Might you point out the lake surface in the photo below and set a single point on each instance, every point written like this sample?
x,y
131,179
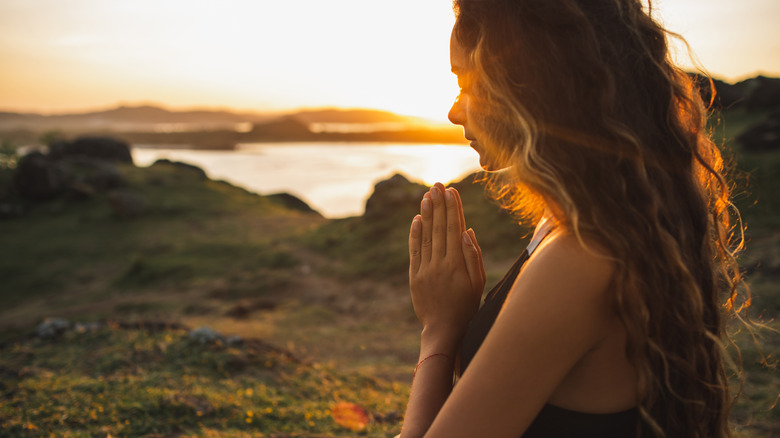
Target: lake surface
x,y
333,178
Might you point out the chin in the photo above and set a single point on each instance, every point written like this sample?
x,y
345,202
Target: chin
x,y
489,165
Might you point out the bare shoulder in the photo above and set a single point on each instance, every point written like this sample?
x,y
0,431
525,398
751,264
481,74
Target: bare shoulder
x,y
565,257
566,272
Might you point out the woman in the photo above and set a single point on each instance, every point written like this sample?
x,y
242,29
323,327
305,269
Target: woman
x,y
609,324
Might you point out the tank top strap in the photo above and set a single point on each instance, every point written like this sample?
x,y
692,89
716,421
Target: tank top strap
x,y
543,228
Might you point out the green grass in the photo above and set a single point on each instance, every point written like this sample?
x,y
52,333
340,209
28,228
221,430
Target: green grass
x,y
756,410
132,382
193,231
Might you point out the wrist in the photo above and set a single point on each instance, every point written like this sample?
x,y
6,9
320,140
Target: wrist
x,y
439,339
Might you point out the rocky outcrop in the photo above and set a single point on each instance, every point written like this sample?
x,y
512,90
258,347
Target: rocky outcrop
x,y
101,148
75,170
37,177
97,173
293,203
195,170
42,177
393,196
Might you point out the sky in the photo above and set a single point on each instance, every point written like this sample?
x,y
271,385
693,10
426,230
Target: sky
x,y
274,55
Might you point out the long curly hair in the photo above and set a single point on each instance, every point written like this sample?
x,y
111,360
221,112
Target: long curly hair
x,y
582,98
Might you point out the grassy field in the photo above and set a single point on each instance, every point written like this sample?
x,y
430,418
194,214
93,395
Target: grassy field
x,y
128,381
329,335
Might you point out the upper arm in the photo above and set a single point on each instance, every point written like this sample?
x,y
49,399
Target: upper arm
x,y
557,310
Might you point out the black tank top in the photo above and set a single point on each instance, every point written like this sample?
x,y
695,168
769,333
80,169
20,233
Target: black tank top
x,y
552,421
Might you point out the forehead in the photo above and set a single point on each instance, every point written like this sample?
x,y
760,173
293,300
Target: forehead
x,y
457,54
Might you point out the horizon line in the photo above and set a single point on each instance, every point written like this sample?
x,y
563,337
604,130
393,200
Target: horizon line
x,y
75,111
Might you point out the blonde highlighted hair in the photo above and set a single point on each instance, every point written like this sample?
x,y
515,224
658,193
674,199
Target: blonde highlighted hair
x,y
582,100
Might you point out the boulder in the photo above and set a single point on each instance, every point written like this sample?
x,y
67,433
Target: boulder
x,y
52,327
392,196
99,174
206,335
79,168
103,148
86,176
194,170
39,178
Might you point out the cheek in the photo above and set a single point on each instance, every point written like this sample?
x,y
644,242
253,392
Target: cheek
x,y
497,136
477,115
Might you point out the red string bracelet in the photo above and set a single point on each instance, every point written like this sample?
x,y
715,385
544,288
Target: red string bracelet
x,y
426,358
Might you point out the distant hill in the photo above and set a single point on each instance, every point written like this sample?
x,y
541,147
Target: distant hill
x,y
140,118
758,93
338,115
144,118
221,129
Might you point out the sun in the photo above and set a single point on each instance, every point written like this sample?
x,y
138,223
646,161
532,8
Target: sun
x,y
439,163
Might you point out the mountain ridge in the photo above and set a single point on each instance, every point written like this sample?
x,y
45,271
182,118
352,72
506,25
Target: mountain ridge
x,y
148,114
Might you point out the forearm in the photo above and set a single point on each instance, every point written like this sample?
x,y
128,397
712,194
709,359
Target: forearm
x,y
446,278
432,383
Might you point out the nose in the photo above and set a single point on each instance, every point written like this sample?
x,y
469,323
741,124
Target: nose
x,y
457,114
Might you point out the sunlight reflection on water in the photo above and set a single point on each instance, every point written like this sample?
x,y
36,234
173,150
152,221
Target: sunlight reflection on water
x,y
333,178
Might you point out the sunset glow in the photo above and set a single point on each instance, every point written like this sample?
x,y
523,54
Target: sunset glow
x,y
243,54
277,55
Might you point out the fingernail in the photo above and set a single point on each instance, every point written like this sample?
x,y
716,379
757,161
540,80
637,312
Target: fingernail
x,y
467,239
416,225
448,195
435,193
426,205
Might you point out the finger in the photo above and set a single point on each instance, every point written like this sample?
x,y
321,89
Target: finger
x,y
426,210
473,261
461,217
479,250
415,241
453,223
439,222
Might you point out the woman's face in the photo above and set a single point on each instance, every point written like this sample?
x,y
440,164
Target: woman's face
x,y
468,110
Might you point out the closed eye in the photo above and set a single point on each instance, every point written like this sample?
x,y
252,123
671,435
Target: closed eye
x,y
463,82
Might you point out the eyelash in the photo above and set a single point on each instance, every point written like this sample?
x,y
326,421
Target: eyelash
x,y
463,85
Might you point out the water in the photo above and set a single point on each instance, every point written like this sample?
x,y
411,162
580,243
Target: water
x,y
333,178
